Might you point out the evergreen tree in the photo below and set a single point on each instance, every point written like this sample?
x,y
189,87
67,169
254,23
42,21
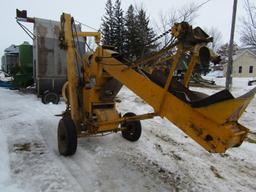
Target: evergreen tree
x,y
130,33
119,29
144,35
108,25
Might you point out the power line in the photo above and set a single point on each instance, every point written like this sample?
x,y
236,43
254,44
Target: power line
x,y
202,4
166,32
87,25
196,8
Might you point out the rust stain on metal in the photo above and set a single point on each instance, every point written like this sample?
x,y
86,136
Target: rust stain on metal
x,y
42,50
56,31
198,130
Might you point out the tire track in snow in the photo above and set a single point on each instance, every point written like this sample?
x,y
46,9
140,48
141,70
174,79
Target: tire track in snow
x,y
98,166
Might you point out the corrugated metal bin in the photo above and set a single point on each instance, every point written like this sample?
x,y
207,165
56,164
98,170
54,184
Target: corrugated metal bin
x,y
49,60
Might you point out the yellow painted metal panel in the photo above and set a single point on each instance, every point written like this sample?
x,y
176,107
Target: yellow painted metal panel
x,y
212,135
71,73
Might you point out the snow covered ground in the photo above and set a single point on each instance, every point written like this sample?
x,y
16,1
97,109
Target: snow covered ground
x,y
3,78
164,159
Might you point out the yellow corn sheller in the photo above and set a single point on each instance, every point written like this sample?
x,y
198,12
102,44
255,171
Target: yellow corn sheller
x,y
94,79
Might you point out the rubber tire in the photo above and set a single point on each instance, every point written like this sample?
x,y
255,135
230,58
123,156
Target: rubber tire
x,y
50,96
67,137
133,128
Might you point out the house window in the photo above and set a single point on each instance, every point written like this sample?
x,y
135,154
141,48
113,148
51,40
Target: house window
x,y
251,69
240,69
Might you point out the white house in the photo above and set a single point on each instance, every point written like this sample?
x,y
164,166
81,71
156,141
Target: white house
x,y
244,64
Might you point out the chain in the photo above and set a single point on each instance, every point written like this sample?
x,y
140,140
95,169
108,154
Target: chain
x,y
159,37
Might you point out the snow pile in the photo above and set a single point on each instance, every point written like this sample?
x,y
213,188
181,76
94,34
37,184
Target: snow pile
x,y
217,74
3,78
1,74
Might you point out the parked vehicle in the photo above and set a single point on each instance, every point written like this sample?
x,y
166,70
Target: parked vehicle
x,y
251,82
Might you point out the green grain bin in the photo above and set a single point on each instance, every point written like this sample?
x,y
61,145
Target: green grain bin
x,y
26,57
24,77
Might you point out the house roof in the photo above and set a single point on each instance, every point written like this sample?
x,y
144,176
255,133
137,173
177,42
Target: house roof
x,y
243,51
252,49
12,49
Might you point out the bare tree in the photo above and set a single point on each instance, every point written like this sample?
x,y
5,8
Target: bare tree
x,y
248,28
164,26
186,13
217,38
223,52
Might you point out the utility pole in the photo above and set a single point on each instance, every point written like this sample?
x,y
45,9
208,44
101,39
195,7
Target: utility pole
x,y
230,49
